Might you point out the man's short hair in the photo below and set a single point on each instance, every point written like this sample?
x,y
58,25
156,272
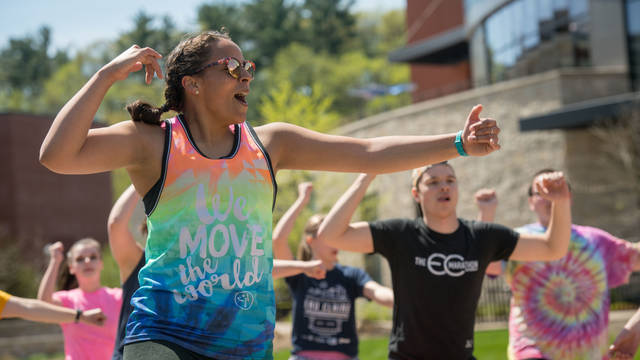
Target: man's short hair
x,y
417,173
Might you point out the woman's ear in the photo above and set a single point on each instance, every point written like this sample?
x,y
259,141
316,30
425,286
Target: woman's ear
x,y
308,239
190,85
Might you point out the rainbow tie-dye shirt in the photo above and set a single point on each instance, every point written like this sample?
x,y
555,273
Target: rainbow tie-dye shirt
x,y
207,283
560,309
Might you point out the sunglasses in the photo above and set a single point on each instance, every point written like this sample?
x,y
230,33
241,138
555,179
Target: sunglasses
x,y
233,66
81,259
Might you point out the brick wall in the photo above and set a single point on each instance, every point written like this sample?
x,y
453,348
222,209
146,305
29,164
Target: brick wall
x,y
425,19
40,206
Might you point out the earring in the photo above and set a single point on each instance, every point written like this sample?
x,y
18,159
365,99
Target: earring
x,y
197,92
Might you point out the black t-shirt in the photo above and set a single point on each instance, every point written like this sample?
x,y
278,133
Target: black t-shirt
x,y
323,310
128,288
437,279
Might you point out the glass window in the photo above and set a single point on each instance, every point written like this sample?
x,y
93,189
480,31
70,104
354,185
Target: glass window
x,y
633,17
578,8
531,36
633,39
531,30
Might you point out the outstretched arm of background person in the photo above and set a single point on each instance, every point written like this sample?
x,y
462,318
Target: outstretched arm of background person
x,y
124,248
283,229
487,202
36,310
553,244
286,268
48,283
317,151
378,293
626,343
336,229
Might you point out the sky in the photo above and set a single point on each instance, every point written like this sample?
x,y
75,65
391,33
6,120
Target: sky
x,y
77,23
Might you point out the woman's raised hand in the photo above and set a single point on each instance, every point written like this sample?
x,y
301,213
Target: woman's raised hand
x,y
480,135
134,59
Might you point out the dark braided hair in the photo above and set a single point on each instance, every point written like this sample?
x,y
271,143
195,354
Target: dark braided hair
x,y
185,59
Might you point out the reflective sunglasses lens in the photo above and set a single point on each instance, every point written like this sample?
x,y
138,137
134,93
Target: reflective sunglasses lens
x,y
250,68
234,67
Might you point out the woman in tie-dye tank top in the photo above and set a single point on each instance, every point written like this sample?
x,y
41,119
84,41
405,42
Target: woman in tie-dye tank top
x,y
208,183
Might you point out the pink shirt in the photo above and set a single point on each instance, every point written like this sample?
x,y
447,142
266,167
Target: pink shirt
x,y
82,341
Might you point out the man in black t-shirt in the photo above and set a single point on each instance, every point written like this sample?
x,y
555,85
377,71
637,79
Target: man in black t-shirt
x,y
438,261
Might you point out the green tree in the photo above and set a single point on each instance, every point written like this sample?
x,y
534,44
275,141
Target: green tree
x,y
381,33
162,38
337,75
274,24
63,84
311,111
24,67
331,25
228,15
260,27
392,31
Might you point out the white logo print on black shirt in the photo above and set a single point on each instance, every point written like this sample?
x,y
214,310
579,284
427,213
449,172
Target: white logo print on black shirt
x,y
452,265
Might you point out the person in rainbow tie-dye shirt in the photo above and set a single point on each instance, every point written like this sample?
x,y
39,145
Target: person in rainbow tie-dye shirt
x,y
207,180
560,309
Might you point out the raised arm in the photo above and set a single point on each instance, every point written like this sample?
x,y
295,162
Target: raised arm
x,y
316,151
285,225
36,310
286,268
48,283
126,251
378,293
487,202
626,343
553,244
71,147
336,229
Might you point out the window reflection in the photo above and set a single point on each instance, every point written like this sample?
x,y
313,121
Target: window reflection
x,y
633,38
531,36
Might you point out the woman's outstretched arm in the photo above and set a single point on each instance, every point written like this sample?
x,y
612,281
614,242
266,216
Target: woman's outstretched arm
x,y
317,151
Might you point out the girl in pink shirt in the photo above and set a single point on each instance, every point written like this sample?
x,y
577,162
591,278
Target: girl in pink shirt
x,y
84,262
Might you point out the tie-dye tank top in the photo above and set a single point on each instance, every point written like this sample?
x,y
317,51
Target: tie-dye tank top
x,y
560,309
207,283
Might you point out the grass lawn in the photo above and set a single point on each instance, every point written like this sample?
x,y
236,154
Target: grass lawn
x,y
489,345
